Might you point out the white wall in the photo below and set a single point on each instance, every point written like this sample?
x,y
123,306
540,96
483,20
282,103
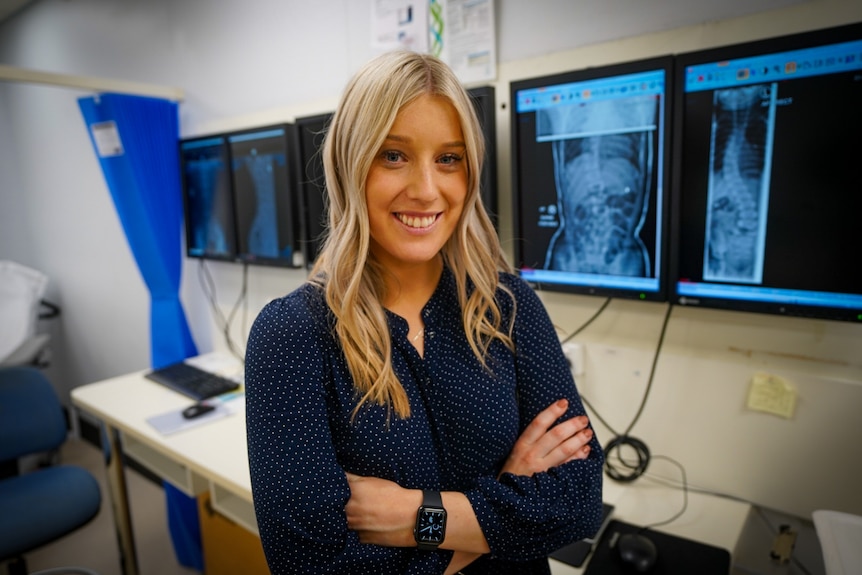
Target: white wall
x,y
255,62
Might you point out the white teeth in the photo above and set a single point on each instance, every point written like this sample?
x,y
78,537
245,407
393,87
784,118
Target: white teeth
x,y
416,222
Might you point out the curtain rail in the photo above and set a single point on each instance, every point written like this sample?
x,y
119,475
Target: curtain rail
x,y
11,73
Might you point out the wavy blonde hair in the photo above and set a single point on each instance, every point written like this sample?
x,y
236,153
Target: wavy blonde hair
x,y
345,267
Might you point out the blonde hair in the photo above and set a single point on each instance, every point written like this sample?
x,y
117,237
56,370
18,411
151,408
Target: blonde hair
x,y
345,268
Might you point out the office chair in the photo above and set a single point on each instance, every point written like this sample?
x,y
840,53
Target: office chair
x,y
43,505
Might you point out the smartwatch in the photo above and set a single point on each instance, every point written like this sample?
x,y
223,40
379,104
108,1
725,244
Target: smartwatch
x,y
430,527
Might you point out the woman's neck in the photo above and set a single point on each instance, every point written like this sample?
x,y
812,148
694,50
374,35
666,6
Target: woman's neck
x,y
408,289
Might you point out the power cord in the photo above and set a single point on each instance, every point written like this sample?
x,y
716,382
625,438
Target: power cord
x,y
631,470
224,324
627,457
774,531
588,322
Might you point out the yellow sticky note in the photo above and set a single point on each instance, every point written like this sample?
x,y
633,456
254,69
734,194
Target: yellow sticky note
x,y
772,394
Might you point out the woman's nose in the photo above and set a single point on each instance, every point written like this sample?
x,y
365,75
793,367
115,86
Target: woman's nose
x,y
424,184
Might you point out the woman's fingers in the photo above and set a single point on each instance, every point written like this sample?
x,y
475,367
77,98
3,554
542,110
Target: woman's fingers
x,y
545,443
542,422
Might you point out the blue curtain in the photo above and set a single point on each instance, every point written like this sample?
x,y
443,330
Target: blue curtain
x,y
136,139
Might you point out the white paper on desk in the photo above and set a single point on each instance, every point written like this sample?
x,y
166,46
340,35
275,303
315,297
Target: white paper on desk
x,y
173,421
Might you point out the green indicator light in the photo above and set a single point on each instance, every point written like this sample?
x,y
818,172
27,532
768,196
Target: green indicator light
x,y
643,296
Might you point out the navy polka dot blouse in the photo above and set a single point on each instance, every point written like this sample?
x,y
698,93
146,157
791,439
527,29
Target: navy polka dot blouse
x,y
464,421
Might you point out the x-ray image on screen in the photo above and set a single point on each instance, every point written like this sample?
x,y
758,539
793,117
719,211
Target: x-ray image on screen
x,y
263,196
590,157
766,180
603,154
208,202
738,188
262,234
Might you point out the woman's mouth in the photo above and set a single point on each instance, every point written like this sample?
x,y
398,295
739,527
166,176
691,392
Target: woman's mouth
x,y
416,222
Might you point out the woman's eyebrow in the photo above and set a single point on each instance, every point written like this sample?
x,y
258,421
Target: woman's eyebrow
x,y
407,140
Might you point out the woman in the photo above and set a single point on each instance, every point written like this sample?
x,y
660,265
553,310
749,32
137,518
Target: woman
x,y
413,376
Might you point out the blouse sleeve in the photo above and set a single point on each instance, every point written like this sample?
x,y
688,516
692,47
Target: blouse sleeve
x,y
299,488
528,517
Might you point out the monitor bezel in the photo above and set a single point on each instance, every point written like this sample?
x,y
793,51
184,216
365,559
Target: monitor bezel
x,y
310,242
484,101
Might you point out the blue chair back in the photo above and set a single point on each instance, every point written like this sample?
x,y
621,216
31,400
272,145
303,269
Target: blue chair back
x,y
31,417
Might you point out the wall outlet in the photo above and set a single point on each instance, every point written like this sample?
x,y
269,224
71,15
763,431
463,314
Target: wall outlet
x,y
575,354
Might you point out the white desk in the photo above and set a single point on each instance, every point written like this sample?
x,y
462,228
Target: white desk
x,y
210,457
213,458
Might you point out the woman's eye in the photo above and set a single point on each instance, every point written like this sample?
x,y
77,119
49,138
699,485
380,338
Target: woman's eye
x,y
391,156
450,159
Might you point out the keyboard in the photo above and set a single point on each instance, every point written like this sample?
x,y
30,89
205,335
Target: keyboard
x,y
192,381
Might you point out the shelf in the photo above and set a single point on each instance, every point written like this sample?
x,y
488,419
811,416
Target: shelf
x,y
234,508
177,474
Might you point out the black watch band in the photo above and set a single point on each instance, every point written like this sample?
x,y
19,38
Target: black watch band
x,y
430,527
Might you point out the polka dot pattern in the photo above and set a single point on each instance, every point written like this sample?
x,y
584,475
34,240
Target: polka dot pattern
x,y
464,421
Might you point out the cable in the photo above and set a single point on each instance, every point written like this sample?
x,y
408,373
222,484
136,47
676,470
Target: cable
x,y
631,470
208,286
626,471
684,492
652,370
620,468
758,509
589,321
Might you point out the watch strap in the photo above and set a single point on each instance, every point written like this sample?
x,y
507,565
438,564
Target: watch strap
x,y
432,499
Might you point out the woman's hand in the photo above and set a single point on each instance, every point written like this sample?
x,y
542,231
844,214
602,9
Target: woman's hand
x,y
544,445
383,513
375,511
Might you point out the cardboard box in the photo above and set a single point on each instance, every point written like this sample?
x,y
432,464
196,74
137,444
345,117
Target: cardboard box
x,y
228,548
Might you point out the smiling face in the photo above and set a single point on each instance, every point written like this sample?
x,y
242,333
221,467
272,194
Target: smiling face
x,y
417,184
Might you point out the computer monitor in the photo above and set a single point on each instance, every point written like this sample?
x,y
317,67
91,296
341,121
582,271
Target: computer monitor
x,y
208,198
590,179
267,206
484,102
767,183
309,134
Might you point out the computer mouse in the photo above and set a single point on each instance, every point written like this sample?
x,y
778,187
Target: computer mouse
x,y
637,551
197,409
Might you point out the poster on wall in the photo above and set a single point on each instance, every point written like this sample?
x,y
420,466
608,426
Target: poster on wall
x,y
400,24
460,32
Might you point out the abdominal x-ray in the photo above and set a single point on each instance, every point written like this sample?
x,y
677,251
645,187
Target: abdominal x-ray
x,y
603,166
738,195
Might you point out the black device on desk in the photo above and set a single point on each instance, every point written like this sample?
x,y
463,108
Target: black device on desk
x,y
621,551
192,381
576,553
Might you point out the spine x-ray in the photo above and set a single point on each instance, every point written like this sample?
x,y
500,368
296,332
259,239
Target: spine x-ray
x,y
205,179
740,159
603,162
263,233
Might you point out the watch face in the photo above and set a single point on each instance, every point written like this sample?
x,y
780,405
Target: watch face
x,y
430,525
